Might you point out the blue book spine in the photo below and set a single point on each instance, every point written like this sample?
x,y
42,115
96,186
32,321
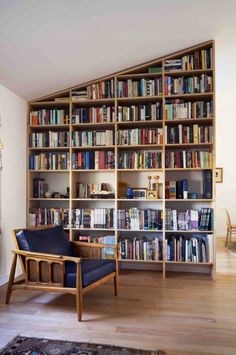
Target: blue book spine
x,y
185,188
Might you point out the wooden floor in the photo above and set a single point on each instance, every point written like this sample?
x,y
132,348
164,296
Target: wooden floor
x,y
181,315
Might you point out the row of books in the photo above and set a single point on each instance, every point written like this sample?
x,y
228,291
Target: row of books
x,y
101,90
186,85
199,59
189,159
139,219
176,189
141,249
142,87
138,136
140,160
92,138
47,216
196,248
49,161
40,187
180,189
50,139
98,159
84,190
93,114
189,220
49,117
93,218
177,109
106,252
147,112
188,134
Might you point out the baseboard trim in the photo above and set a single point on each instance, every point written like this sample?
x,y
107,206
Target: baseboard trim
x,y
4,278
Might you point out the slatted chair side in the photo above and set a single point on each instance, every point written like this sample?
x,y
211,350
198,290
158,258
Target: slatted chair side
x,y
44,272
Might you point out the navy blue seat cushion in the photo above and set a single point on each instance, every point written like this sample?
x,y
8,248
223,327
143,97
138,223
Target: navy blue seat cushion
x,y
92,271
50,241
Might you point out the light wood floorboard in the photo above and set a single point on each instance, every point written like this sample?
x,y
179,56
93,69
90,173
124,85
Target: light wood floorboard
x,y
184,314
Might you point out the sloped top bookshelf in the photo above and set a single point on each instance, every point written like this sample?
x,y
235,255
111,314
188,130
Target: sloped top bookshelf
x,y
152,132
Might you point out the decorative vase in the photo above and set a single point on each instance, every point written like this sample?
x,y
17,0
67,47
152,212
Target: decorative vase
x,y
129,192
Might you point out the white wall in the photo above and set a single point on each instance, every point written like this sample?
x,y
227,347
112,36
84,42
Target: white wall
x,y
13,111
226,127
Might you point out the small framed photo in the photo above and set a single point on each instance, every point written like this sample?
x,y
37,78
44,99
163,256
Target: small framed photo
x,y
219,175
139,193
152,195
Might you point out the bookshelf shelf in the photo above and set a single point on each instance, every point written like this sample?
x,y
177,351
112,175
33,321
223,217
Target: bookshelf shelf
x,y
132,106
193,231
191,96
190,121
189,145
188,72
189,200
49,148
49,171
140,146
141,261
150,123
50,127
93,125
97,147
93,102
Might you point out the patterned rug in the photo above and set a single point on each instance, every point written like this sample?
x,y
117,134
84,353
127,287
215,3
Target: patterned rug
x,y
35,346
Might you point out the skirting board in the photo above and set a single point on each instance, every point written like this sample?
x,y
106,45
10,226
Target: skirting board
x,y
4,278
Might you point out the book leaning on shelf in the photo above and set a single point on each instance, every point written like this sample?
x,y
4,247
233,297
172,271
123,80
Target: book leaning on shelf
x,y
189,159
177,109
146,249
193,134
186,85
107,253
50,139
49,161
140,219
49,117
92,138
98,159
189,220
47,216
142,87
140,160
199,59
100,114
93,218
195,248
142,112
139,136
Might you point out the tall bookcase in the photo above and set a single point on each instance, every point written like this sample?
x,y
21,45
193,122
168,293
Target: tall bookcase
x,y
155,120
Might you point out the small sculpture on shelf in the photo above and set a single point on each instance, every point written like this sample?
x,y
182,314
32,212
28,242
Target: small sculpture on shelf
x,y
151,193
103,193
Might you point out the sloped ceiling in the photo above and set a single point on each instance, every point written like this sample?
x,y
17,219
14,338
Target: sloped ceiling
x,y
49,45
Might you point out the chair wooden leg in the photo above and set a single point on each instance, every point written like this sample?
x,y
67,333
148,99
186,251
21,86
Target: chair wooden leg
x,y
79,305
230,236
11,279
79,294
116,285
227,237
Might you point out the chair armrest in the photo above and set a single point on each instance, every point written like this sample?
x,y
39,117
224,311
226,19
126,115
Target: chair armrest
x,y
51,257
93,245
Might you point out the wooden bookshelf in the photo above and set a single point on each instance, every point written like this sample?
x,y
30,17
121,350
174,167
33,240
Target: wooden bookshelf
x,y
131,101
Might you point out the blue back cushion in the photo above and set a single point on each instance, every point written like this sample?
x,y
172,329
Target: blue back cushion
x,y
50,241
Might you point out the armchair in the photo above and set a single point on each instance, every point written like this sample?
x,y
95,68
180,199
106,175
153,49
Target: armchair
x,y
51,263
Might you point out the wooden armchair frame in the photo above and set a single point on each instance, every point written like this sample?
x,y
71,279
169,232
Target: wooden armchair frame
x,y
45,272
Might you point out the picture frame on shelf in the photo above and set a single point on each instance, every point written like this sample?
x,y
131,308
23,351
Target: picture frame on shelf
x,y
139,193
219,175
152,195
